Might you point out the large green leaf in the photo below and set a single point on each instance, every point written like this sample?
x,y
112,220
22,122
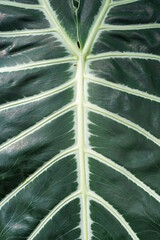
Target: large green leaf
x,y
80,119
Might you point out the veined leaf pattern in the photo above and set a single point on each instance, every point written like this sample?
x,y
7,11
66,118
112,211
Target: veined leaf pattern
x,y
79,113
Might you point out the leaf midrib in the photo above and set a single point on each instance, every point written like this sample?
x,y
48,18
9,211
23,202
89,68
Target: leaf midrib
x,y
81,62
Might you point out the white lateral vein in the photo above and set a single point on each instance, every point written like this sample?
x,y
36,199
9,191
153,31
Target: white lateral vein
x,y
123,88
124,172
129,27
21,5
123,121
37,126
130,55
37,97
21,33
40,171
95,28
54,22
37,64
114,4
64,202
114,212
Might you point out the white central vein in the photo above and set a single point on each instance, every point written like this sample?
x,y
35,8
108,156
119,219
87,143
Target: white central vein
x,y
114,212
81,112
81,142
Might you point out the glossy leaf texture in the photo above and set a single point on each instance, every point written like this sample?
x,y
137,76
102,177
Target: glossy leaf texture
x,y
80,119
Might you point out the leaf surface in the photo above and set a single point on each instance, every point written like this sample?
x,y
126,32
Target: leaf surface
x,y
79,113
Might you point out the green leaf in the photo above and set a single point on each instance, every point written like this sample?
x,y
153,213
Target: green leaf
x,y
79,114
